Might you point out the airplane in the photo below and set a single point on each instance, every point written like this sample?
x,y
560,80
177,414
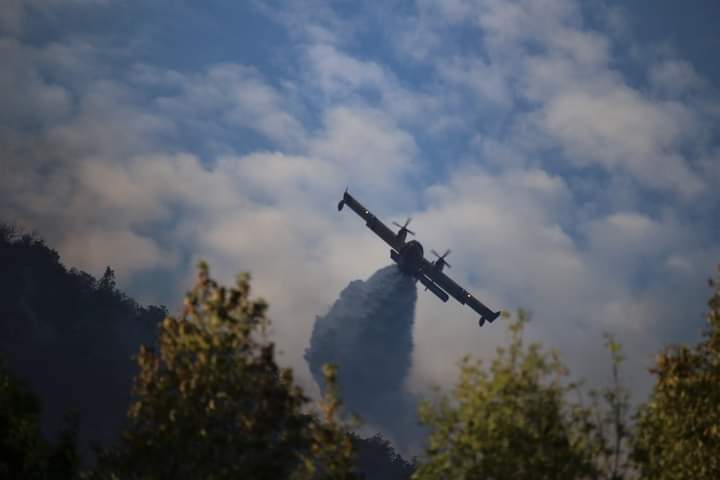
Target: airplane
x,y
409,255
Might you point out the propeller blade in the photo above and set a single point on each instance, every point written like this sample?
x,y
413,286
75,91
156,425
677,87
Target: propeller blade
x,y
447,264
441,257
403,228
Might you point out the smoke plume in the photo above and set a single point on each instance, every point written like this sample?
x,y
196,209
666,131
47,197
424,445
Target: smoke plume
x,y
368,334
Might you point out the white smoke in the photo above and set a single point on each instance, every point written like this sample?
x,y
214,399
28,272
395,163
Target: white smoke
x,y
368,334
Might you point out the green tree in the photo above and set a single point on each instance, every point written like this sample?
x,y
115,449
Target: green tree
x,y
608,420
24,453
212,403
508,421
332,452
678,430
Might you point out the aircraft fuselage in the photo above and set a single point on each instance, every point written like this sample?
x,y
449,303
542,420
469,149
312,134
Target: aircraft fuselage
x,y
409,258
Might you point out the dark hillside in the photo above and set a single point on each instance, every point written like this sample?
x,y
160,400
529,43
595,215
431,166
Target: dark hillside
x,y
69,336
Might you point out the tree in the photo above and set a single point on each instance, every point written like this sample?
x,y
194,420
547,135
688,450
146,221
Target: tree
x,y
332,452
377,460
509,421
24,453
678,430
212,403
607,421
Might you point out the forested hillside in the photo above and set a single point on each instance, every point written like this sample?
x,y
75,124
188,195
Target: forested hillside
x,y
69,336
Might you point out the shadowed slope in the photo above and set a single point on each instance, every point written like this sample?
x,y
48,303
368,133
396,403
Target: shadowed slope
x,y
70,336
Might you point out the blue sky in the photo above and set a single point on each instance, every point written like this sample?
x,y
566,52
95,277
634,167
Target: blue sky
x,y
566,151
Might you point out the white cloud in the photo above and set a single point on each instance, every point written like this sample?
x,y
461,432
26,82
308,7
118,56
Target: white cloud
x,y
514,24
311,21
340,75
127,252
13,13
28,99
416,38
274,175
487,82
145,188
620,129
675,77
540,51
626,238
11,17
342,79
369,147
236,94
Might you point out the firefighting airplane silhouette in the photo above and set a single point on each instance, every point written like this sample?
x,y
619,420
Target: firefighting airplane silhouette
x,y
411,261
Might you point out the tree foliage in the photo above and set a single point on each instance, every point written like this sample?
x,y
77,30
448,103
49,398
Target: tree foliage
x,y
212,403
24,452
511,420
678,430
608,422
377,460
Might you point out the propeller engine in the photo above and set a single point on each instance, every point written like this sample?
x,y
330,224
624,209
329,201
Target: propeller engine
x,y
403,228
441,262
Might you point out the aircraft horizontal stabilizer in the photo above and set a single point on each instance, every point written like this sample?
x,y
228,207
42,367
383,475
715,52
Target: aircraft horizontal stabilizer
x,y
490,318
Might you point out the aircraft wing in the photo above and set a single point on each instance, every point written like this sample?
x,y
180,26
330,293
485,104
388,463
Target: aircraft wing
x,y
456,291
372,222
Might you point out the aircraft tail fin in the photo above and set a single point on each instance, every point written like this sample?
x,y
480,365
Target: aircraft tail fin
x,y
341,204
